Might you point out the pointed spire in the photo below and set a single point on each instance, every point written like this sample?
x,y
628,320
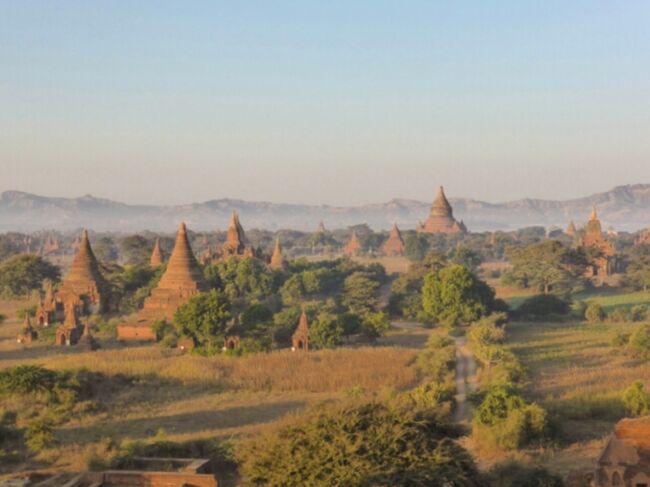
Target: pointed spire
x,y
441,206
156,259
236,239
182,269
353,246
394,245
594,213
277,260
300,337
571,229
321,227
87,340
85,266
303,324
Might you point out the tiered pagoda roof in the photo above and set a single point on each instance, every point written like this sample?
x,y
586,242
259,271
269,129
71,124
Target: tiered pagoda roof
x,y
441,217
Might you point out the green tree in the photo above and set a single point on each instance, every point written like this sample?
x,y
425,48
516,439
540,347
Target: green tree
x,y
635,399
105,250
375,325
416,246
548,266
204,318
360,293
326,331
594,313
454,296
7,247
640,341
136,249
466,257
362,445
21,274
637,272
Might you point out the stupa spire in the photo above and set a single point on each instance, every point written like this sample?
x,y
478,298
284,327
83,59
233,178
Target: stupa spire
x,y
277,259
156,259
394,245
182,270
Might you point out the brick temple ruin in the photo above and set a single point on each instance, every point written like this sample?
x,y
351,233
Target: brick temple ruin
x,y
300,337
394,246
277,259
236,244
441,218
605,261
157,258
182,280
353,247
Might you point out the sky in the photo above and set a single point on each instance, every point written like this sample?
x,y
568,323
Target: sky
x,y
332,102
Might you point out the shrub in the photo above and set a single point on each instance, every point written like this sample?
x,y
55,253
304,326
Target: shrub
x,y
594,313
26,379
640,341
39,434
639,312
636,400
360,445
544,305
26,311
620,339
619,315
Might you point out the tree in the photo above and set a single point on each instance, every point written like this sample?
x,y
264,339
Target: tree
x,y
326,331
375,325
24,273
7,247
360,293
454,296
136,249
465,256
637,273
105,250
544,305
548,266
635,399
640,341
361,445
204,317
416,246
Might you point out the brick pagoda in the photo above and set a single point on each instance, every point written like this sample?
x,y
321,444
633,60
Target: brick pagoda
x,y
394,246
277,259
441,217
300,337
156,259
353,247
605,262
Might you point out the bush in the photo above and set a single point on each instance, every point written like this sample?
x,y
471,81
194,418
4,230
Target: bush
x,y
26,379
619,315
620,339
636,400
544,305
516,475
640,341
39,434
594,313
360,445
639,312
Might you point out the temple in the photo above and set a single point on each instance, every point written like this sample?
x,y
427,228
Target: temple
x,y
277,259
625,461
182,280
604,262
320,228
27,334
644,237
50,246
571,229
353,247
235,245
85,284
394,246
87,341
68,332
156,259
49,310
300,337
441,217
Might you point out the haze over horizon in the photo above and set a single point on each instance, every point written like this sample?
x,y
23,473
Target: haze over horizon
x,y
323,103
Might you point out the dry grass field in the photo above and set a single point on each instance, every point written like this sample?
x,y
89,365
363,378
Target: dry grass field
x,y
577,376
154,393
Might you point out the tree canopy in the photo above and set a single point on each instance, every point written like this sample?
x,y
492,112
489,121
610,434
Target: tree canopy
x,y
204,318
24,273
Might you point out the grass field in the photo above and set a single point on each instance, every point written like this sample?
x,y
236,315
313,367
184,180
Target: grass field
x,y
578,377
180,397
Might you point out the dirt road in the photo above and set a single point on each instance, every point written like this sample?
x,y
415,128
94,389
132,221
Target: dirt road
x,y
466,381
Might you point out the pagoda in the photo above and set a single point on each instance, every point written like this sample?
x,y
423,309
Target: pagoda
x,y
571,229
353,247
235,245
277,259
49,310
441,217
182,280
604,263
87,341
394,246
156,259
68,332
50,246
300,337
27,334
320,228
84,282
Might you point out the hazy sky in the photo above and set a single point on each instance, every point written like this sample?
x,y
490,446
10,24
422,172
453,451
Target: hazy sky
x,y
339,102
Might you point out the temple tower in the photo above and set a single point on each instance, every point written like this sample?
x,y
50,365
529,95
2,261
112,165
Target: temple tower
x,y
571,229
441,217
277,259
300,337
156,259
182,280
353,247
394,246
605,261
85,283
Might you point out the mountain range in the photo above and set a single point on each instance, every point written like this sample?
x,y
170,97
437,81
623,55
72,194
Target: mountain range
x,y
623,208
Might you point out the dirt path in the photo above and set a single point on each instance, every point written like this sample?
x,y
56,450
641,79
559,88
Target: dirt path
x,y
466,381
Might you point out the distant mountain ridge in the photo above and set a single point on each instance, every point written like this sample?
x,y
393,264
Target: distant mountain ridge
x,y
624,208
